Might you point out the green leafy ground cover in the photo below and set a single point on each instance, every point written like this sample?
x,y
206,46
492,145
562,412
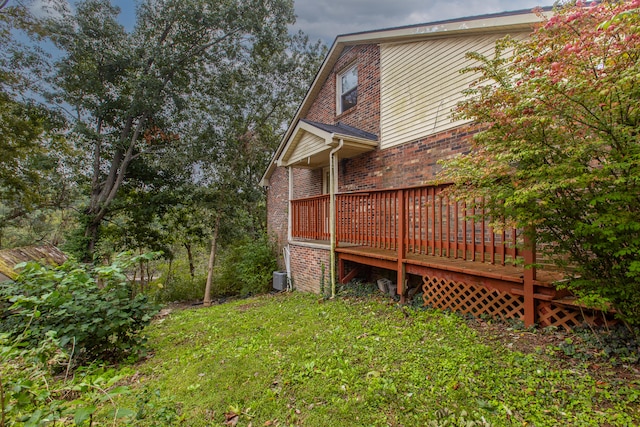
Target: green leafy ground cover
x,y
293,359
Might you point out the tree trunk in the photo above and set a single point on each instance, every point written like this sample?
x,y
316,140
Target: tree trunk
x,y
103,193
192,268
212,259
142,283
91,234
169,277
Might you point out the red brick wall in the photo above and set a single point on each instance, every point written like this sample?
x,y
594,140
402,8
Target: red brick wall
x,y
366,114
306,183
405,165
306,268
278,209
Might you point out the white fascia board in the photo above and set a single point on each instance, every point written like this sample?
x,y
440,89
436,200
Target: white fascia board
x,y
352,139
497,23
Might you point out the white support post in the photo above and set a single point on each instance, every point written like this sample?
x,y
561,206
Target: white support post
x,y
289,219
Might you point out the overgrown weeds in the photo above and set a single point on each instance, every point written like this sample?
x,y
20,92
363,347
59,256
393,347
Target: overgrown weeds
x,y
57,319
618,344
245,268
292,359
90,310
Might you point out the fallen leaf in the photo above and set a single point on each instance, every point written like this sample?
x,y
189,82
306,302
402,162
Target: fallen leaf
x,y
231,419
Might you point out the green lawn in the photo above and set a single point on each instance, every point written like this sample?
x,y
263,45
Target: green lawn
x,y
292,359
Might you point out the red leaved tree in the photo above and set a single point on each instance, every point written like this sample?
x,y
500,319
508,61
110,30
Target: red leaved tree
x,y
561,149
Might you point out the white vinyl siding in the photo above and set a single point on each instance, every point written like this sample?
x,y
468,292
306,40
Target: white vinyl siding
x,y
307,146
421,83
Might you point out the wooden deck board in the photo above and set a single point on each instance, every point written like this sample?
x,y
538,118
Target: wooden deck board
x,y
385,254
507,273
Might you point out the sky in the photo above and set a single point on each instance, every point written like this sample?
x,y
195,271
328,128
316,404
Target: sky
x,y
326,19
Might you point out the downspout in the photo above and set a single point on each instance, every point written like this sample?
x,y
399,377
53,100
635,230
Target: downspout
x,y
289,220
332,215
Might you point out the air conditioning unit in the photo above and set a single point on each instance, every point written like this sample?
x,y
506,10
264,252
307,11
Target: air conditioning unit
x,y
280,280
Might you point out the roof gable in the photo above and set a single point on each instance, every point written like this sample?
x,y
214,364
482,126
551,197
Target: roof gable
x,y
311,142
522,20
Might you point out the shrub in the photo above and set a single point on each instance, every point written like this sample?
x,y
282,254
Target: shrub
x,y
180,288
33,396
245,269
90,309
560,153
177,283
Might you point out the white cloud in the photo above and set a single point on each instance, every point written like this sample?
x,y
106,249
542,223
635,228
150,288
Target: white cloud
x,y
48,8
325,19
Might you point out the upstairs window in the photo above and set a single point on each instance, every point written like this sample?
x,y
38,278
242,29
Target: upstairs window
x,y
347,89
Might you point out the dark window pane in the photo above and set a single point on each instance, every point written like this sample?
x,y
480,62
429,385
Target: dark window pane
x,y
350,99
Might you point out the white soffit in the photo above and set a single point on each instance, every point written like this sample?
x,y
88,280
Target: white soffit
x,y
309,146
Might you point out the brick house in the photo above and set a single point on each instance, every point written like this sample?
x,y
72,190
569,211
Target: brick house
x,y
351,189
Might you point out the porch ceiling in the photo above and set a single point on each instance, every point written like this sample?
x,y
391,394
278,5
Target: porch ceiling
x,y
311,143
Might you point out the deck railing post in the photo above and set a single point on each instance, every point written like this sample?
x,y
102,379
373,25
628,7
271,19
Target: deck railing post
x,y
529,277
402,252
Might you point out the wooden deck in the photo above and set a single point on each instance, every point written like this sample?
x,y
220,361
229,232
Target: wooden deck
x,y
465,264
504,277
507,273
477,288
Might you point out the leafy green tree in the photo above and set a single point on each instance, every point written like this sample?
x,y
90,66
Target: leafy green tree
x,y
239,134
29,141
132,93
31,144
560,150
188,226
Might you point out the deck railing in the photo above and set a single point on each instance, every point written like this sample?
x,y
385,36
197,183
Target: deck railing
x,y
310,218
424,219
368,219
441,226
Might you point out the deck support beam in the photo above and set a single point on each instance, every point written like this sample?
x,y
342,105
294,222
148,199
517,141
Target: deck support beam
x,y
346,278
402,250
529,278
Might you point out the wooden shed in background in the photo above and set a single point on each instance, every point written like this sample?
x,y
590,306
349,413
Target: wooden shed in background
x,y
9,258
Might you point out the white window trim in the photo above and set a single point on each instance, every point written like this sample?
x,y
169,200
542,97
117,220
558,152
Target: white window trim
x,y
346,70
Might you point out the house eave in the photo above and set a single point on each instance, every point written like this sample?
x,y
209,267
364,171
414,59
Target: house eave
x,y
501,22
319,155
